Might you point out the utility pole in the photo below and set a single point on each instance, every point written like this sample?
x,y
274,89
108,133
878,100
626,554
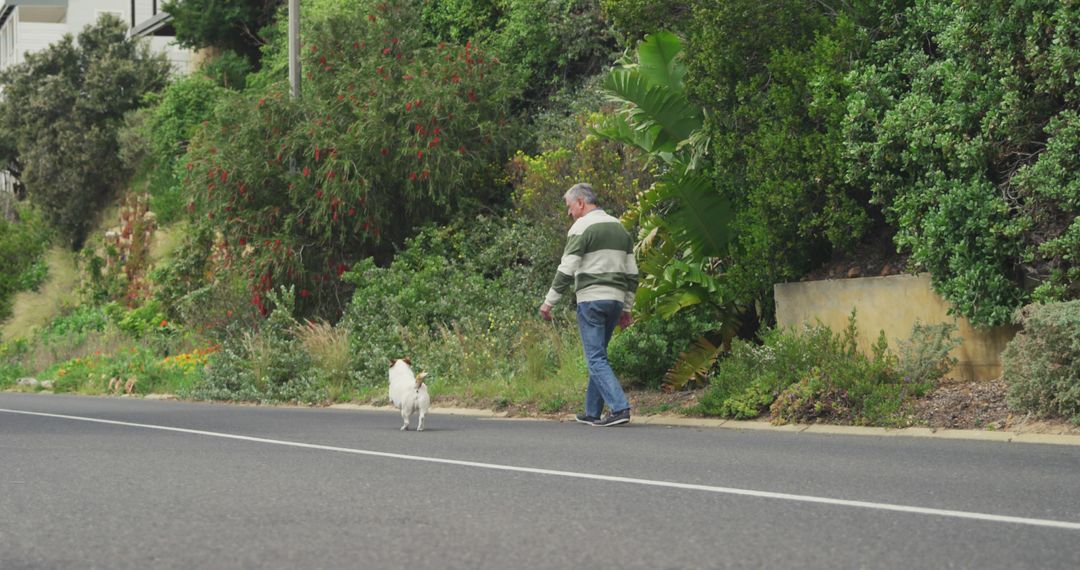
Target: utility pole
x,y
294,48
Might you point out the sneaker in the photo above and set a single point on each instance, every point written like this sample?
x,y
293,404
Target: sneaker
x,y
586,419
614,418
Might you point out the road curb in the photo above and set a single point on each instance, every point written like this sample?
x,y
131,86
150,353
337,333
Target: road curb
x,y
757,425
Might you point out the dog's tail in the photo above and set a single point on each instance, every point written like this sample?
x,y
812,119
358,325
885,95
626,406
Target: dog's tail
x,y
420,379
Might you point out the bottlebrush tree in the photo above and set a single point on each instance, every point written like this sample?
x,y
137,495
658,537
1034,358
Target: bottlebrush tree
x,y
392,131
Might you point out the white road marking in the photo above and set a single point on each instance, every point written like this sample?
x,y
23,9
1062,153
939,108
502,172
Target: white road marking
x,y
591,476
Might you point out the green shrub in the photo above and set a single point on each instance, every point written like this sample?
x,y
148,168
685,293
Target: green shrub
x,y
63,107
643,353
1042,363
154,140
465,285
22,248
924,356
550,44
960,123
263,365
12,357
817,397
394,130
812,375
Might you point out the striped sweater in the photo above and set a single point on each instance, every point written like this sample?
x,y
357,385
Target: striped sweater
x,y
598,261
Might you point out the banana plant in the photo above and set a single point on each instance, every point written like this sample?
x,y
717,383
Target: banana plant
x,y
684,222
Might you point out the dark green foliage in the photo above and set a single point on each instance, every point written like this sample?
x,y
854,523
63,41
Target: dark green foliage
x,y
393,131
635,19
480,278
63,107
1042,363
961,123
642,354
236,25
156,138
550,45
772,76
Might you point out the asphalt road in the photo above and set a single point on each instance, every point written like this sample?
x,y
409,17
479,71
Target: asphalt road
x,y
122,483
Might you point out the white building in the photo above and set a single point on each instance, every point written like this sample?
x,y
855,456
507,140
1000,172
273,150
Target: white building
x,y
27,26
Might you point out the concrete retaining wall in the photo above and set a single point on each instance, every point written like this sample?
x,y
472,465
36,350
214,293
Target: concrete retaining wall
x,y
891,304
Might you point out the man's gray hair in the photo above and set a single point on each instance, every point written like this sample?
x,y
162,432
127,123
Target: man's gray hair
x,y
581,190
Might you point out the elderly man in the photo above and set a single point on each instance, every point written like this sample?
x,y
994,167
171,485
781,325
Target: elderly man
x,y
598,262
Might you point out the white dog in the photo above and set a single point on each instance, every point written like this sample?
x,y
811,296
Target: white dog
x,y
408,392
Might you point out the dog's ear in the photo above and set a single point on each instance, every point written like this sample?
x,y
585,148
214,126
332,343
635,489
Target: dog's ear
x,y
407,360
392,362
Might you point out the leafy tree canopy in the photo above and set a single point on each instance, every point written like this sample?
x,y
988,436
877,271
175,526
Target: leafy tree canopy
x,y
62,108
234,25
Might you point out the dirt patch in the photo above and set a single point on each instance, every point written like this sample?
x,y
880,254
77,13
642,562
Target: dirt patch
x,y
981,404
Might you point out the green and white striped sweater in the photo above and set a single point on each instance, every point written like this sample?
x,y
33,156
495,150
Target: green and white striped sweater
x,y
598,261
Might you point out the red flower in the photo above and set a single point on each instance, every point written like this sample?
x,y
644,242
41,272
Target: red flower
x,y
408,106
164,323
318,194
356,45
393,40
305,293
307,171
261,103
352,211
385,151
419,154
412,176
371,17
386,51
407,78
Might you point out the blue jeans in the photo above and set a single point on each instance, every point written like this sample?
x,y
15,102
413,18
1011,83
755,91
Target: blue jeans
x,y
596,321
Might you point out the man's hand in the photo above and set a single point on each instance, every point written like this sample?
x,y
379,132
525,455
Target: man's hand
x,y
626,319
545,311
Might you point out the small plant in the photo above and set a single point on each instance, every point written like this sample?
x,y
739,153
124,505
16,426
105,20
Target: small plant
x,y
1042,363
816,397
812,375
328,347
553,405
263,365
924,357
